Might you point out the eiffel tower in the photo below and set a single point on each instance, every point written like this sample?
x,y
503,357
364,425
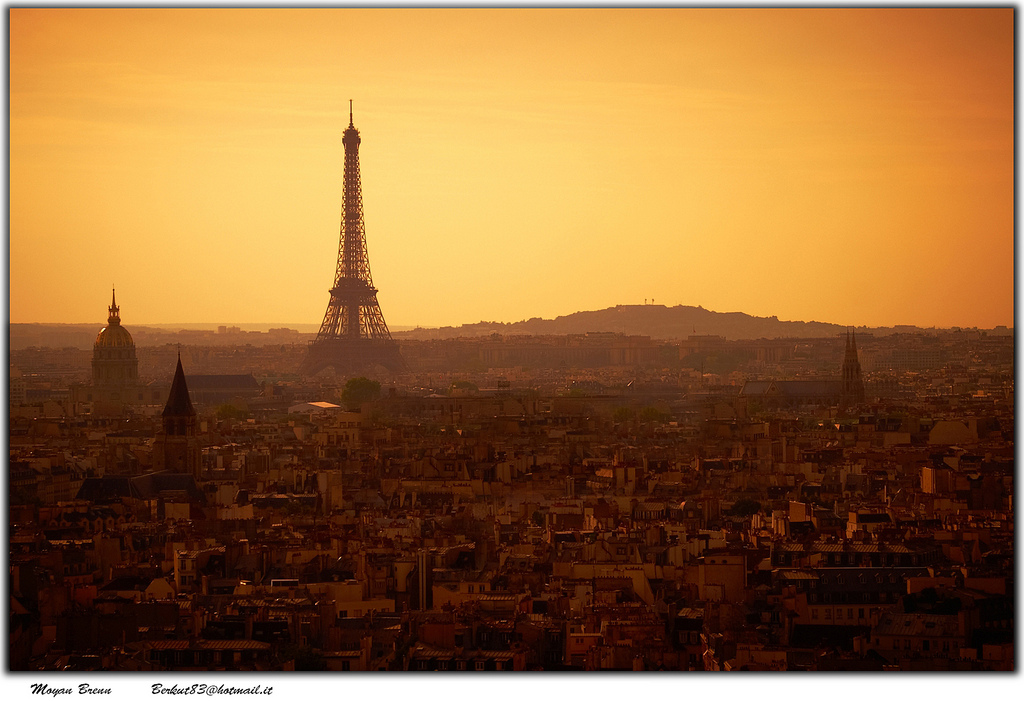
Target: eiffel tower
x,y
353,336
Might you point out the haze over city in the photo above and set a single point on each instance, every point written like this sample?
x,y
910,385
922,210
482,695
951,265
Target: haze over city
x,y
848,166
701,353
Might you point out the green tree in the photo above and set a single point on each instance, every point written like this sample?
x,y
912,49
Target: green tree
x,y
653,414
230,411
745,507
360,390
622,414
307,659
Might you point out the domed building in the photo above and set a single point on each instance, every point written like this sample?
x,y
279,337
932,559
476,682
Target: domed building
x,y
115,373
113,357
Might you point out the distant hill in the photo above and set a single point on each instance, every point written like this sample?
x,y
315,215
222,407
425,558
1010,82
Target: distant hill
x,y
656,321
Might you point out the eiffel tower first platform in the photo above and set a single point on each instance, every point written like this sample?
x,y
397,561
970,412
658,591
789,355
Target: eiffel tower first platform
x,y
353,337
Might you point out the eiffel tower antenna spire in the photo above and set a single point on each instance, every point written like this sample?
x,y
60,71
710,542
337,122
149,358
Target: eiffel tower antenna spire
x,y
353,335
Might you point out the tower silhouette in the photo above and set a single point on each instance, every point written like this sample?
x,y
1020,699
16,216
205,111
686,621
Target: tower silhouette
x,y
176,447
353,335
852,391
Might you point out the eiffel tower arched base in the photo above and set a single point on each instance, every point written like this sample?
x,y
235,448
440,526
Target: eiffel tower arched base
x,y
351,356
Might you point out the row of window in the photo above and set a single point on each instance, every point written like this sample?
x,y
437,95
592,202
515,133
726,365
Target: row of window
x,y
459,665
853,598
862,578
868,560
926,645
839,614
88,397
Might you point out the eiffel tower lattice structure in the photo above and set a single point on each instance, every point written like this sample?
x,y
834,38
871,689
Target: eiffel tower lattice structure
x,y
353,336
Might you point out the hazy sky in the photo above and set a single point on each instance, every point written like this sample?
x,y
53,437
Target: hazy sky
x,y
850,166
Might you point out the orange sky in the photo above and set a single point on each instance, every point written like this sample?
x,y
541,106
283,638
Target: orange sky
x,y
850,166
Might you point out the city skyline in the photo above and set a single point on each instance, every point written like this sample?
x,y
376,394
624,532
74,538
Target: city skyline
x,y
845,166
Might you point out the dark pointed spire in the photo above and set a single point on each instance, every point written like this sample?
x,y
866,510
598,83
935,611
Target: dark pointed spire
x,y
350,122
179,403
113,309
853,383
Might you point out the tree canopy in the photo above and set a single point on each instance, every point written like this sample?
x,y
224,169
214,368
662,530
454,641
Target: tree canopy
x,y
360,390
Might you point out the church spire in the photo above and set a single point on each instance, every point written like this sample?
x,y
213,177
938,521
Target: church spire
x,y
178,402
177,448
853,382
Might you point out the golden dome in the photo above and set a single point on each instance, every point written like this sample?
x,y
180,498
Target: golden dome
x,y
114,335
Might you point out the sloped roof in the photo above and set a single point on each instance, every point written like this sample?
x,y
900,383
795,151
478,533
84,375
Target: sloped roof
x,y
872,518
917,624
791,388
178,402
203,382
421,651
17,608
201,645
144,486
107,487
247,562
156,483
128,583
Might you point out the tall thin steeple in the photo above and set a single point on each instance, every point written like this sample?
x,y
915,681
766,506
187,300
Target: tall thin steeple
x,y
177,445
179,404
853,383
114,310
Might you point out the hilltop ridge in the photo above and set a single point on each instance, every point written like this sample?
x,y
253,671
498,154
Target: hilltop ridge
x,y
657,321
654,320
